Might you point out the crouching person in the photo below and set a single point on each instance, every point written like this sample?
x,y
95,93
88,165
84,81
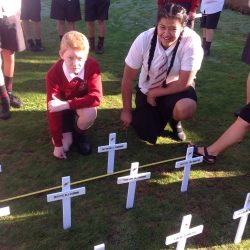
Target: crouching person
x,y
74,91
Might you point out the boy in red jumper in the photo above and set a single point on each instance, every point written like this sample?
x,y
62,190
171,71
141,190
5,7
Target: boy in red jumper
x,y
74,91
190,6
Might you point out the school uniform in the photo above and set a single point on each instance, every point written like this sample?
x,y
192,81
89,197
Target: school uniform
x,y
150,121
83,91
211,11
68,10
11,33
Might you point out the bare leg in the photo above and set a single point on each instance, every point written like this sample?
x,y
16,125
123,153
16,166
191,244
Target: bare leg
x,y
91,29
184,109
37,29
71,26
8,62
234,134
26,29
101,27
209,35
60,27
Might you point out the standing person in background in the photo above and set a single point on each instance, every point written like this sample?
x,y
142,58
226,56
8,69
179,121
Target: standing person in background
x,y
11,41
191,7
211,11
96,10
31,11
168,57
65,11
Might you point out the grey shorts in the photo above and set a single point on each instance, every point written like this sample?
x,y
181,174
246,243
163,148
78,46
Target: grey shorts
x,y
11,34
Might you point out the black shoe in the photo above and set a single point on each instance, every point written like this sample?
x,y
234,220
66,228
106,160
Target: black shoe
x,y
82,143
206,52
39,48
178,131
31,45
99,50
91,44
5,115
15,101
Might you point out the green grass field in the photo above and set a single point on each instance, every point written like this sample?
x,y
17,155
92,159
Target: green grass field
x,y
100,216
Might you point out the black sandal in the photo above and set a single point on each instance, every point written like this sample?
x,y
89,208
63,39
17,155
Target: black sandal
x,y
207,158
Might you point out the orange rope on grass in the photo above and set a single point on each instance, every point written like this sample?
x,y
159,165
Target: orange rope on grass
x,y
88,180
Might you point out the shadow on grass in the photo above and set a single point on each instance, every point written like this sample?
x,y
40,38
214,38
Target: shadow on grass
x,y
101,215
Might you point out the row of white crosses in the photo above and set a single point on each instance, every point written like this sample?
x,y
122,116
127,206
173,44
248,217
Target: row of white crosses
x,y
185,232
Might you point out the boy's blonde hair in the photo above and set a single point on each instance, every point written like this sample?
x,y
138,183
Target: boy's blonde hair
x,y
74,40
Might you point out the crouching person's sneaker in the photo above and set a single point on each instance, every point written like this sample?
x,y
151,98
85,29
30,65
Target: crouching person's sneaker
x,y
82,143
14,101
178,131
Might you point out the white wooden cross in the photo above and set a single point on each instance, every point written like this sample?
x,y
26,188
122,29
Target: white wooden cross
x,y
100,247
184,233
187,166
243,215
66,196
132,179
111,151
4,211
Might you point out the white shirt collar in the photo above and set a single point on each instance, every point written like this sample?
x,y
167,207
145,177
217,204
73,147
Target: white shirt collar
x,y
70,76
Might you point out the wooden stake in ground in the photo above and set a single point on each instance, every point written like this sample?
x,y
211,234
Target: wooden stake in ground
x,y
111,151
66,196
100,247
243,215
184,233
186,164
132,179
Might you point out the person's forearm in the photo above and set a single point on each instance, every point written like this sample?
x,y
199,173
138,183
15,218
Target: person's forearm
x,y
127,95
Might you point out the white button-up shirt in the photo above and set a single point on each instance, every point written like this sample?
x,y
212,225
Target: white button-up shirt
x,y
211,6
9,7
188,58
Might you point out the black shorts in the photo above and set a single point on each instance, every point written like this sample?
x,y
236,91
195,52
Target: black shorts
x,y
68,10
245,57
11,34
31,10
245,113
96,10
148,121
210,21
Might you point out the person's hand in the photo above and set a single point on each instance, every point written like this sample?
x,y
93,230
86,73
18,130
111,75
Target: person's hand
x,y
191,15
57,105
59,153
126,119
151,98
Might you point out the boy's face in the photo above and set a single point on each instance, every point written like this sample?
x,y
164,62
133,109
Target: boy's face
x,y
74,59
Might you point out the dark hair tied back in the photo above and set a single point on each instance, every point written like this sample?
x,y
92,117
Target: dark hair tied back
x,y
174,11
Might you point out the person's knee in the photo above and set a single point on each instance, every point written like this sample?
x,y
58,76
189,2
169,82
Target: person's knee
x,y
86,118
184,110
